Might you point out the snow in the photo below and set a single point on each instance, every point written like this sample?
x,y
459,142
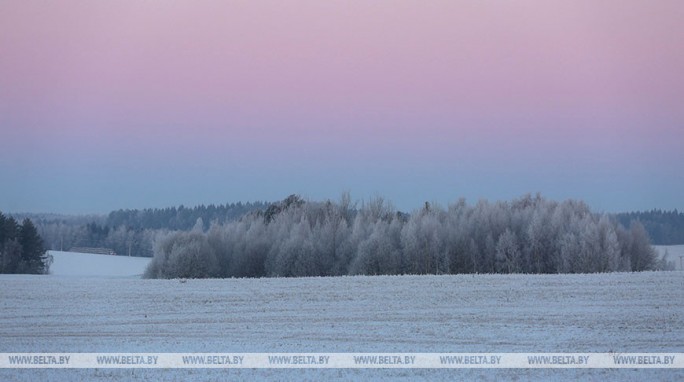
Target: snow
x,y
93,265
623,312
674,253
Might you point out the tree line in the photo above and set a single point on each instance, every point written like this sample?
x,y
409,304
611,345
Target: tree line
x,y
132,231
21,248
303,238
181,218
664,227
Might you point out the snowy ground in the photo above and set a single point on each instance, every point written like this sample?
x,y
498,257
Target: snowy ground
x,y
674,252
624,312
92,265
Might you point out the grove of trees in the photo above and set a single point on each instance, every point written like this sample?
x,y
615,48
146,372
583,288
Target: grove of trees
x,y
21,248
299,238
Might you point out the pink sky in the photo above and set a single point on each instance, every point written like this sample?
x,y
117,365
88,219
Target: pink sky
x,y
452,90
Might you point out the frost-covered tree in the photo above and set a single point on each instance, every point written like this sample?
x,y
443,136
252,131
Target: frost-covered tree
x,y
296,256
541,248
184,255
641,254
610,246
380,253
424,241
508,255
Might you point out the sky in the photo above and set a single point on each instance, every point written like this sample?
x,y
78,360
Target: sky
x,y
141,104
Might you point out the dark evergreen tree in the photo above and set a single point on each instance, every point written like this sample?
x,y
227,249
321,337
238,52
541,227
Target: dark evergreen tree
x,y
21,247
3,220
9,228
33,254
11,256
10,249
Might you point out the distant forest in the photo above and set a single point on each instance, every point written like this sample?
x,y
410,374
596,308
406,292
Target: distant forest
x,y
663,227
181,218
132,232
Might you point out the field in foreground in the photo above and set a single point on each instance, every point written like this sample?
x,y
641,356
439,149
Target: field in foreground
x,y
621,312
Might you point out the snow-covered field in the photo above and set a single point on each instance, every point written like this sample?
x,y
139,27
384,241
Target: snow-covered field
x,y
623,312
92,265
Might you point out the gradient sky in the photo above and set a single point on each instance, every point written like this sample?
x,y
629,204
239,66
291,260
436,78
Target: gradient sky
x,y
133,104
